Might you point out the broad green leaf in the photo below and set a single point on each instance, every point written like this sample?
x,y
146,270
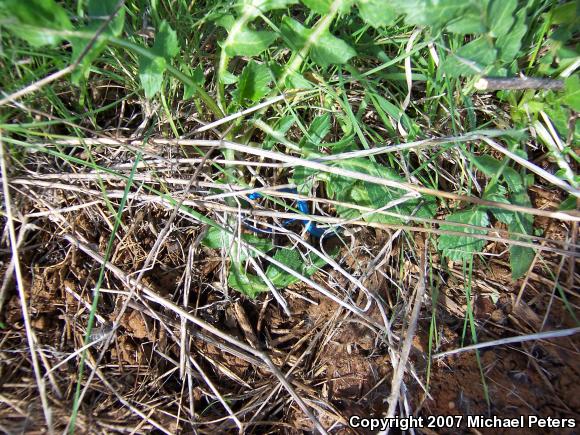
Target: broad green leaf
x,y
292,258
435,13
499,194
164,48
281,126
374,196
471,58
217,239
569,203
509,45
319,128
566,13
395,112
151,74
304,179
297,81
255,7
491,167
229,79
377,13
246,283
248,42
29,20
98,10
330,50
253,84
323,7
326,50
468,24
501,16
521,259
252,285
294,33
226,21
166,44
572,92
458,248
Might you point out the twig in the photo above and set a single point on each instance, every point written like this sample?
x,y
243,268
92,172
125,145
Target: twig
x,y
534,168
519,339
515,83
240,114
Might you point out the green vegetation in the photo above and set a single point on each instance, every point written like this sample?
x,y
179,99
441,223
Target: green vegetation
x,y
356,76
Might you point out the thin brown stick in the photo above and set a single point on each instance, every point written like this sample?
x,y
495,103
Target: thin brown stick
x,y
516,83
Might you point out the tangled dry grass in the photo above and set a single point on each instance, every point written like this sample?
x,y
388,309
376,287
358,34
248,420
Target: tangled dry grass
x,y
175,350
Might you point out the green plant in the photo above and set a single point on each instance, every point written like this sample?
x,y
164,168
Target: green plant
x,y
284,45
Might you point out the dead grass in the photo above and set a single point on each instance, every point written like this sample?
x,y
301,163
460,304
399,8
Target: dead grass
x,y
174,350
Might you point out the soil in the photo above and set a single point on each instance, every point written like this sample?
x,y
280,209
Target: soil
x,y
339,365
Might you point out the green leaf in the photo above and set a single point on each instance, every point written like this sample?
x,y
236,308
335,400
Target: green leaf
x,y
501,16
151,74
326,50
229,79
498,193
249,42
569,203
294,33
566,13
317,131
29,20
374,196
572,92
521,259
434,13
471,58
164,48
252,285
98,10
459,248
262,6
198,78
330,50
491,167
246,283
292,258
217,239
166,44
377,13
321,7
509,45
253,84
226,21
468,24
281,126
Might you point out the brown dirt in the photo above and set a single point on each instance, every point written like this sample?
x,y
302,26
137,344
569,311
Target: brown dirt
x,y
339,365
